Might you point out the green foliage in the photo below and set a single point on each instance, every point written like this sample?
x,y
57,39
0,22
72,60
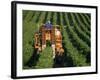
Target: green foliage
x,y
76,35
79,32
48,16
45,59
84,21
27,53
54,18
78,59
87,18
82,26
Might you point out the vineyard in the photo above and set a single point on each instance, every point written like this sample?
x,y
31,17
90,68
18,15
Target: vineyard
x,y
76,33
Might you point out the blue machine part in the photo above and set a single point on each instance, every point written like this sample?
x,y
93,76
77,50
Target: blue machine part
x,y
48,25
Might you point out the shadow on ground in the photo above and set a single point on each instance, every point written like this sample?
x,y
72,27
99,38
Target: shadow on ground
x,y
63,61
